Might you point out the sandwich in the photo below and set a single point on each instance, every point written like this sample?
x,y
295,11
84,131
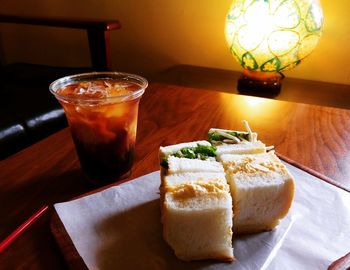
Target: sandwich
x,y
197,216
236,142
262,189
210,190
196,205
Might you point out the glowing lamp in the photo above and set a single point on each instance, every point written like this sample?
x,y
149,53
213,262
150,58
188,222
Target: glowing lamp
x,y
271,36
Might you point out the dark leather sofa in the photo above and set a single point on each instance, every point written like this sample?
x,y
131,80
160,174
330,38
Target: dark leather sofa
x,y
28,111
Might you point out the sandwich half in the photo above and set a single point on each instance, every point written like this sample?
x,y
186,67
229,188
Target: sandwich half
x,y
196,204
262,189
197,216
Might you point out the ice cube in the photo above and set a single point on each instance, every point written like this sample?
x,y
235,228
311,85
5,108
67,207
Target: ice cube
x,y
91,90
117,88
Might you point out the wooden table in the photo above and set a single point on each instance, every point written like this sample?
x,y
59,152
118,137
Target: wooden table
x,y
48,172
295,90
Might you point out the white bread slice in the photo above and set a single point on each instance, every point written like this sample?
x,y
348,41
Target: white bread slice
x,y
262,191
241,148
167,150
197,216
183,165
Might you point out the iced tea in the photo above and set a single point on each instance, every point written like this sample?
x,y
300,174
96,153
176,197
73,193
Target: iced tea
x,y
102,109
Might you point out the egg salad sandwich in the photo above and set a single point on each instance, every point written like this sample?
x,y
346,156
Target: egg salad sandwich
x,y
196,205
262,190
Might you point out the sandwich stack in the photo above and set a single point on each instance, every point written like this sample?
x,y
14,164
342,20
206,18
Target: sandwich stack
x,y
209,189
196,204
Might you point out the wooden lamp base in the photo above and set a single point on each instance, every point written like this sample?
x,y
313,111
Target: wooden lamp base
x,y
261,84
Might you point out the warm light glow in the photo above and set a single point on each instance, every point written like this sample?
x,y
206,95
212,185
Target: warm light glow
x,y
253,102
248,107
273,35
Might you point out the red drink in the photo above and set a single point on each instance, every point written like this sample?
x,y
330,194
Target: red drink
x,y
102,109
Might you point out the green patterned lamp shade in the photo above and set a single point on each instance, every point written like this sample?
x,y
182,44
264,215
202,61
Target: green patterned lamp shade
x,y
273,35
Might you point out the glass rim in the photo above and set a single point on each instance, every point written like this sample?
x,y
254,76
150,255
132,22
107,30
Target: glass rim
x,y
69,79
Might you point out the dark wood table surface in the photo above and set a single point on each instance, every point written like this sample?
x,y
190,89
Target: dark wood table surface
x,y
48,172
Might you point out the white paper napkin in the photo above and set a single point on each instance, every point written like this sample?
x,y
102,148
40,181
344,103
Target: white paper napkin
x,y
119,228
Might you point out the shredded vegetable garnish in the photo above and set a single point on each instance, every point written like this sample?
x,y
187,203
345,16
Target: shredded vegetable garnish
x,y
269,148
229,136
217,136
247,127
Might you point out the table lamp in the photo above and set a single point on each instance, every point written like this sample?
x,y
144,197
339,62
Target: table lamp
x,y
271,36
